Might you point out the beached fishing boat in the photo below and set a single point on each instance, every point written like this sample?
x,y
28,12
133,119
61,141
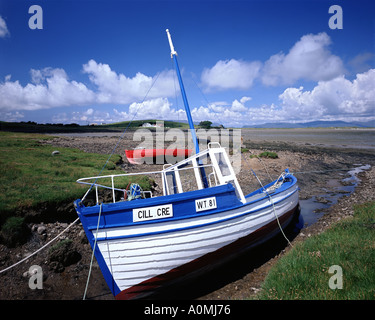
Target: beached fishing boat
x,y
156,156
202,219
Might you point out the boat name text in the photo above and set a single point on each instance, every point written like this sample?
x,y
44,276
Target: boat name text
x,y
153,213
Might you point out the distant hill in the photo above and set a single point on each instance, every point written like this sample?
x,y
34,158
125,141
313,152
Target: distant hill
x,y
34,127
139,123
314,124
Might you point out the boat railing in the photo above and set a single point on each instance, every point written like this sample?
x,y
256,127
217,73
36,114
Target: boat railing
x,y
95,182
210,167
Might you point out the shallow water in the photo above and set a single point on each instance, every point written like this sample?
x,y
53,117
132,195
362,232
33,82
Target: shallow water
x,y
343,138
313,208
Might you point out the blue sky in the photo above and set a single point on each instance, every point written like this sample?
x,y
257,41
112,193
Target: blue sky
x,y
243,62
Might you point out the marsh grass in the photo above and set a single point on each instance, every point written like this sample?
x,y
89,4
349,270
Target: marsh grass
x,y
268,154
264,154
31,175
304,272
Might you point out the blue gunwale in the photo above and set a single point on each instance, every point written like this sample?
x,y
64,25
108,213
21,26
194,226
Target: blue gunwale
x,y
226,199
183,197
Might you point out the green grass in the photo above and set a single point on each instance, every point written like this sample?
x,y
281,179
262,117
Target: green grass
x,y
31,175
264,154
14,231
304,272
268,154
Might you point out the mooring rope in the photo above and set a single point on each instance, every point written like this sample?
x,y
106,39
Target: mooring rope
x,y
93,252
40,249
277,219
270,197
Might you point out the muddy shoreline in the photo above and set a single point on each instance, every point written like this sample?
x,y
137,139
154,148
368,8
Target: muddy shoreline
x,y
315,167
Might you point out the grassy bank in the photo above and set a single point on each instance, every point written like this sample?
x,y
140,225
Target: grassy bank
x,y
304,273
31,175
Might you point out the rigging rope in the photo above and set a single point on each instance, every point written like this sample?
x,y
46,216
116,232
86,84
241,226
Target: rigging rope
x,y
122,136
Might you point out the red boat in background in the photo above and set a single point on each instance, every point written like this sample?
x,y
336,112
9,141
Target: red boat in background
x,y
157,156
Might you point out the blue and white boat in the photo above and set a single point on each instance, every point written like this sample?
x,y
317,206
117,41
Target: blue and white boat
x,y
155,241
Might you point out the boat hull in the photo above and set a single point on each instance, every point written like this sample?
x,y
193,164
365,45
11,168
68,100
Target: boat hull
x,y
206,262
138,258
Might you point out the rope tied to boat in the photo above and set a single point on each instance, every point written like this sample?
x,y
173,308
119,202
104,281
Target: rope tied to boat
x,y
277,219
271,189
40,249
93,252
279,181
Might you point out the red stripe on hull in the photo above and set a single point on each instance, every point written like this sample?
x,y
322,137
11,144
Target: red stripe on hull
x,y
207,261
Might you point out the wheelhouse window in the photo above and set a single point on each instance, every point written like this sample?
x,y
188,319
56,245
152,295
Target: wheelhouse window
x,y
209,168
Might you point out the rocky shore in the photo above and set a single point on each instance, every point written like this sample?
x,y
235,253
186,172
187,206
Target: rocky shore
x,y
65,263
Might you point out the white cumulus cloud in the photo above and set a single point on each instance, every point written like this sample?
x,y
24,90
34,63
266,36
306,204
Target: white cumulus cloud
x,y
335,99
308,59
12,116
231,74
338,97
3,28
154,107
228,114
118,88
83,117
50,88
158,108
